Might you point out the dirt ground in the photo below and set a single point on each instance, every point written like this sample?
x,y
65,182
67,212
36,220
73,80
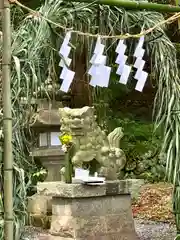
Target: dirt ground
x,y
154,203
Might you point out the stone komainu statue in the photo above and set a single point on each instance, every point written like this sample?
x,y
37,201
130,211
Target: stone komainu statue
x,y
91,142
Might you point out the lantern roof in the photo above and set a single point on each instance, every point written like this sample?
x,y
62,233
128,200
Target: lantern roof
x,y
47,114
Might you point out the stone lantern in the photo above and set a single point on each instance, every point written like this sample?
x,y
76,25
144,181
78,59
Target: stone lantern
x,y
46,124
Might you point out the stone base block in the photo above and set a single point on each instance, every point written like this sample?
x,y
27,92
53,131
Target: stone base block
x,y
129,186
94,213
110,237
39,211
40,204
37,204
37,220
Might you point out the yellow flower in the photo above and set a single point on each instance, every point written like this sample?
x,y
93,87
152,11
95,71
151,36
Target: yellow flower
x,y
65,139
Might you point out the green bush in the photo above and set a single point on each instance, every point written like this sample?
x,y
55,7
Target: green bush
x,y
142,148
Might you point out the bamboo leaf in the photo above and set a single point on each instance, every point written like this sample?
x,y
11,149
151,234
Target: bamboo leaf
x,y
17,68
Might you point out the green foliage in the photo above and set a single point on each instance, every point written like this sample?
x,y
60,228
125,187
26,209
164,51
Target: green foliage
x,y
142,149
141,145
34,4
37,174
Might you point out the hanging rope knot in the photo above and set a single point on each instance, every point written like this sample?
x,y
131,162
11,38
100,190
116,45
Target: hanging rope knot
x,y
34,14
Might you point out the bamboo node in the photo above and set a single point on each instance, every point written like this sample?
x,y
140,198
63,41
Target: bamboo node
x,y
38,15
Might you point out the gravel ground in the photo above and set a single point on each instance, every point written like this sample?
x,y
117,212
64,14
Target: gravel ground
x,y
147,230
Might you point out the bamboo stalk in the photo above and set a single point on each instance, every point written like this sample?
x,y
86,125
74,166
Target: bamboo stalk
x,y
178,21
134,5
7,121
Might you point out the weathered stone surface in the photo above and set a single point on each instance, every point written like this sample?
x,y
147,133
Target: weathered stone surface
x,y
117,236
123,187
49,205
77,207
122,236
69,226
47,114
115,223
51,237
114,236
37,220
82,212
62,207
112,187
118,223
52,159
81,218
75,190
91,206
134,186
37,204
71,190
120,203
53,152
101,237
90,226
63,226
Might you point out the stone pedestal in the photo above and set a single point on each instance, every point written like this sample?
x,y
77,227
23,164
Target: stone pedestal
x,y
53,160
81,212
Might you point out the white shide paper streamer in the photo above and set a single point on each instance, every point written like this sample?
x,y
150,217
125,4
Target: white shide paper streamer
x,y
66,74
99,72
123,70
140,76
